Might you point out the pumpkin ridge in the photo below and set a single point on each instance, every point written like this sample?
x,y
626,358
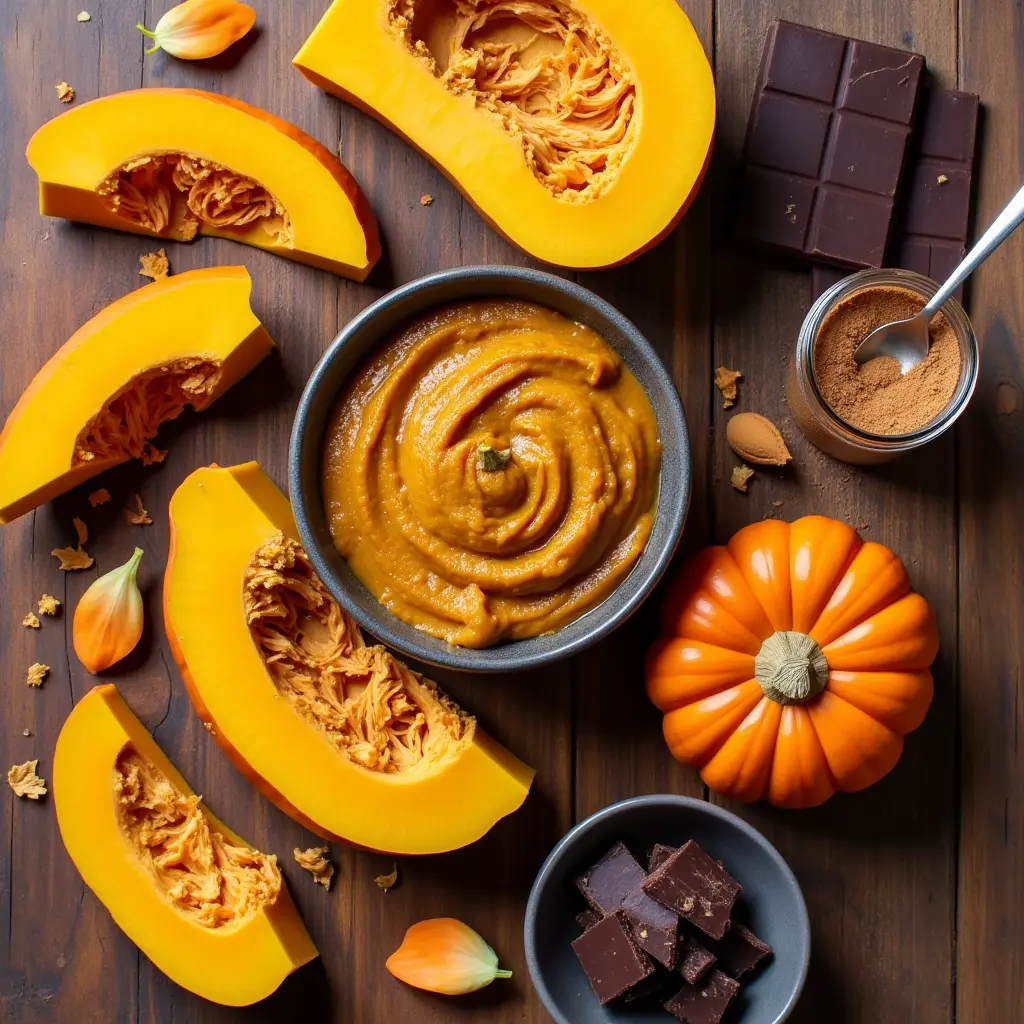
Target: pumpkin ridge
x,y
840,576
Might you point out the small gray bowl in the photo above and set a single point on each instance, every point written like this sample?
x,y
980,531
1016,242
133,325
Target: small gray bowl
x,y
377,323
772,905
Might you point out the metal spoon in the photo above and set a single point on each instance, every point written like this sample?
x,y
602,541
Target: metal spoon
x,y
907,340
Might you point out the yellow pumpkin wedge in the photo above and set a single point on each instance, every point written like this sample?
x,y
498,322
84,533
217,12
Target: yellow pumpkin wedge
x,y
580,129
137,363
343,737
174,163
213,914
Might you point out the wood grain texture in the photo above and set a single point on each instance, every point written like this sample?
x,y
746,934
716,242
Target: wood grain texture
x,y
913,887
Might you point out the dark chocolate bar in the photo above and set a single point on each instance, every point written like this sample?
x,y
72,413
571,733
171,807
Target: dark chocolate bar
x,y
612,960
933,235
739,951
605,885
659,854
826,145
705,1003
694,961
655,928
696,888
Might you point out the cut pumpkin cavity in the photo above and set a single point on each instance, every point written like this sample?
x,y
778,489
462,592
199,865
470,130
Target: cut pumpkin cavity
x,y
581,130
208,909
282,678
174,163
99,401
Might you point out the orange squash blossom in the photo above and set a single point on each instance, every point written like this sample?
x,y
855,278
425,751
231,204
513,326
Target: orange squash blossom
x,y
795,660
197,29
108,619
444,955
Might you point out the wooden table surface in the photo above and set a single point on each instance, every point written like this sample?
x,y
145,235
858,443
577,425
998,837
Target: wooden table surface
x,y
915,887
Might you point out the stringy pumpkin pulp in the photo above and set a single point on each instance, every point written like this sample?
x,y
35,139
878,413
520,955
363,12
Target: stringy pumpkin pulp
x,y
185,191
123,427
376,710
203,874
545,70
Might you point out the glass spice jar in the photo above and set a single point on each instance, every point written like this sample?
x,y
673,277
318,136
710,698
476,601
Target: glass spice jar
x,y
822,426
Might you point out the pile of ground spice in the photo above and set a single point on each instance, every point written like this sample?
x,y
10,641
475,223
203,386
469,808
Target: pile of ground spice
x,y
875,397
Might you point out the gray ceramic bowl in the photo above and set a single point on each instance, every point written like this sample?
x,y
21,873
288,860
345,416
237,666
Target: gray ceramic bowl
x,y
772,904
377,323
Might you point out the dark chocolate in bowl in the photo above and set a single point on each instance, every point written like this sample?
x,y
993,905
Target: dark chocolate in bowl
x,y
377,323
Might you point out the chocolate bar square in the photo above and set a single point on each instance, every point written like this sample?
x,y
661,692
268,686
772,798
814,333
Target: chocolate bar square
x,y
605,885
697,888
826,145
705,1003
694,961
659,854
655,928
612,960
740,951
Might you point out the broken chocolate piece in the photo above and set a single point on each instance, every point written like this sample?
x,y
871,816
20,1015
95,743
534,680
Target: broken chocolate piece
x,y
705,1003
659,854
826,145
654,927
612,960
611,879
693,959
740,951
696,888
587,918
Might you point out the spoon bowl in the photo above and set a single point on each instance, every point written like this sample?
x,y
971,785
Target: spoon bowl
x,y
906,341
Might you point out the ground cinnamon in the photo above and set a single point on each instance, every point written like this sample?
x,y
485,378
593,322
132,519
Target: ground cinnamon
x,y
875,397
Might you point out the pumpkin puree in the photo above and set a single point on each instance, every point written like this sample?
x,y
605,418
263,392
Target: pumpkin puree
x,y
472,548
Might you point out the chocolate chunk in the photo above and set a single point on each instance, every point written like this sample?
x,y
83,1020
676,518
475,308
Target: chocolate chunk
x,y
705,1003
659,854
740,951
693,959
933,236
695,887
587,918
826,145
610,957
655,928
654,988
611,879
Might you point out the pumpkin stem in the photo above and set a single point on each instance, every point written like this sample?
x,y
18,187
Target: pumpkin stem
x,y
791,667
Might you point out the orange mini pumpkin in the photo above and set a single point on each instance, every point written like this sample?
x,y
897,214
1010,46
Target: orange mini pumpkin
x,y
797,659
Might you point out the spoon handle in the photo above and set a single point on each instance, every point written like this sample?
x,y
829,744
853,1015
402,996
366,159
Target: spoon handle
x,y
999,230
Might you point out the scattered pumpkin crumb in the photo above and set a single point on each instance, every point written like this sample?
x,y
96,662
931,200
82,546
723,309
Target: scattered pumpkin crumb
x,y
725,381
139,516
48,605
81,530
23,780
791,212
100,497
64,92
387,881
31,620
26,732
863,526
154,265
315,861
426,199
740,476
83,16
778,504
36,674
72,559
941,180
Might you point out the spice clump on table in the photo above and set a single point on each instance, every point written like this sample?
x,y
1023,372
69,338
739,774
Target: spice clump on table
x,y
667,935
875,397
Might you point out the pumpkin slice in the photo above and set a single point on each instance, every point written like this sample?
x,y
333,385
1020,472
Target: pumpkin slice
x,y
343,737
580,129
212,913
136,364
174,163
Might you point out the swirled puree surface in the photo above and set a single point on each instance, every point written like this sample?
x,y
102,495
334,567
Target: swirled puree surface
x,y
491,473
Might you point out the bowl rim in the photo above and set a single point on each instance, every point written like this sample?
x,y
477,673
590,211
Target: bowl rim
x,y
501,657
657,800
